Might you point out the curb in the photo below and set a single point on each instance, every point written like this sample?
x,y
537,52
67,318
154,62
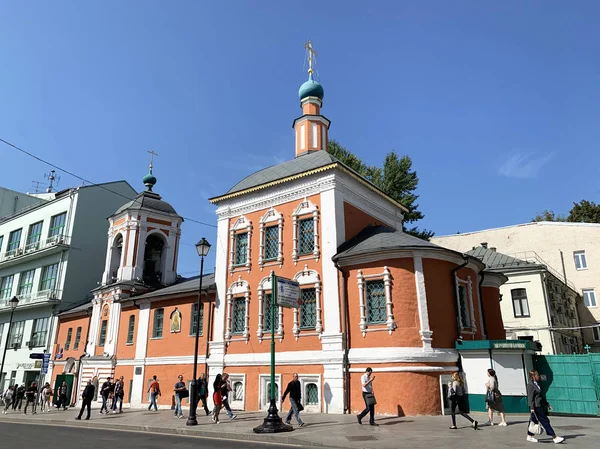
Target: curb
x,y
255,438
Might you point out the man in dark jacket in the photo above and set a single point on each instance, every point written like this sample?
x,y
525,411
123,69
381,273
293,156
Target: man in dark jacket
x,y
203,392
87,397
31,394
62,396
107,389
19,395
295,392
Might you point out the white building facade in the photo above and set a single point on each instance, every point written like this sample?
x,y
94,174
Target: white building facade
x,y
50,256
571,249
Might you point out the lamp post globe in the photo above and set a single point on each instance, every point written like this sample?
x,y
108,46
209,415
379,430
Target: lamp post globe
x,y
14,302
202,247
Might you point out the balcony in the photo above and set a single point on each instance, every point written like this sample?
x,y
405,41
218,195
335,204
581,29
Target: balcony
x,y
40,297
44,247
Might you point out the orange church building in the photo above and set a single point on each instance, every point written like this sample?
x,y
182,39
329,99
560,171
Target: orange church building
x,y
372,295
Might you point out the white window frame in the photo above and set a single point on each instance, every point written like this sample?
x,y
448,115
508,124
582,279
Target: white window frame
x,y
233,403
264,399
267,220
303,210
596,332
313,138
265,287
306,379
579,256
390,324
302,137
309,279
241,225
593,292
468,284
239,288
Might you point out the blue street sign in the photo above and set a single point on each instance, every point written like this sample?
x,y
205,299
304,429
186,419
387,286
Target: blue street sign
x,y
45,363
36,355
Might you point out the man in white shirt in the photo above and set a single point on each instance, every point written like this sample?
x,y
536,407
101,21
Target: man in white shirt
x,y
367,392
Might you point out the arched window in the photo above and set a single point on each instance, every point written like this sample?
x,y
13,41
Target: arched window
x,y
116,256
238,391
153,259
312,394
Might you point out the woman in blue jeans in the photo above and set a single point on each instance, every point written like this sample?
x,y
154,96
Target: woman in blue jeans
x,y
539,406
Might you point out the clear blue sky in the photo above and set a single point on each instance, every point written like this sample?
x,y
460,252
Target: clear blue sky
x,y
497,103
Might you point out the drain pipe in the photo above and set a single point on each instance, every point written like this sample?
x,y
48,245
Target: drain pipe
x,y
456,307
345,346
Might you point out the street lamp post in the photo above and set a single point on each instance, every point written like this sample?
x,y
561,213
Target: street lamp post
x,y
202,247
13,305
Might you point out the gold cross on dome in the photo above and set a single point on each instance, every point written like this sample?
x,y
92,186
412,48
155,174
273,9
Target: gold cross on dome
x,y
152,154
311,55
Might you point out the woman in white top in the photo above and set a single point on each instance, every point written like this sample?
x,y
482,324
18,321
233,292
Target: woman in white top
x,y
496,406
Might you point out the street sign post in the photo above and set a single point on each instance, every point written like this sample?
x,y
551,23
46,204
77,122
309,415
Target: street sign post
x,y
290,292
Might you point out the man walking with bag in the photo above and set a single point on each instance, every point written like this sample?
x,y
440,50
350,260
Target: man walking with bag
x,y
295,392
366,381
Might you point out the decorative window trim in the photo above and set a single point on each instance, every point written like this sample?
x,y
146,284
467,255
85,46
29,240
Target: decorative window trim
x,y
390,324
264,393
264,287
239,288
468,284
271,216
305,208
238,404
306,379
241,225
309,278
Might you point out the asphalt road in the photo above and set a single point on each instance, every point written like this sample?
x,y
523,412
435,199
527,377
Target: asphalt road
x,y
31,436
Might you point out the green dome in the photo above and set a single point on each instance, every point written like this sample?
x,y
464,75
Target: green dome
x,y
311,89
149,180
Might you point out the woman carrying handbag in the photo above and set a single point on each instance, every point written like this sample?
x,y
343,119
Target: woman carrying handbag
x,y
493,399
539,406
456,394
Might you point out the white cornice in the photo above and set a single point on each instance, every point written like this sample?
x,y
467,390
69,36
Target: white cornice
x,y
402,355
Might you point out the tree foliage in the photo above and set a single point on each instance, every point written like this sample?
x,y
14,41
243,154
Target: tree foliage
x,y
395,178
583,212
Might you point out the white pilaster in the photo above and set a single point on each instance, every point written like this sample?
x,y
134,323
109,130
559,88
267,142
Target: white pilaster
x,y
141,339
425,331
113,329
91,346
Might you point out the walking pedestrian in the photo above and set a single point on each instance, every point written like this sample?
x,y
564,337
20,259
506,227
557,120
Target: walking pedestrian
x,y
20,395
62,396
119,394
86,400
46,397
7,397
105,392
366,381
458,399
225,390
217,397
31,396
202,386
154,391
493,399
180,393
295,392
539,407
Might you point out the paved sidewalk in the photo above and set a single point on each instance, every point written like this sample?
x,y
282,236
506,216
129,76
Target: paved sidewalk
x,y
341,431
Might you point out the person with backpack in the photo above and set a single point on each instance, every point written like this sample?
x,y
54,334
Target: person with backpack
x,y
154,391
106,391
119,394
7,396
493,399
458,398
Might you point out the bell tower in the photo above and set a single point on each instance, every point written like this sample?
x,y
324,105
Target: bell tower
x,y
143,239
311,128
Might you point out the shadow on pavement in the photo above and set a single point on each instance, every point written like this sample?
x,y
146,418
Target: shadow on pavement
x,y
391,423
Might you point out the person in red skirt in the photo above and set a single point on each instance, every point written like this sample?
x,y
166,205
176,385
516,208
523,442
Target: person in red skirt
x,y
217,397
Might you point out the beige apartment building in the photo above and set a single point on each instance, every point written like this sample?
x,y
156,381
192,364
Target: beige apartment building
x,y
571,250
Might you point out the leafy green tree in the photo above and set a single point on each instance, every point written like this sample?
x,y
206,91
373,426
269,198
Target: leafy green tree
x,y
549,215
584,212
395,178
